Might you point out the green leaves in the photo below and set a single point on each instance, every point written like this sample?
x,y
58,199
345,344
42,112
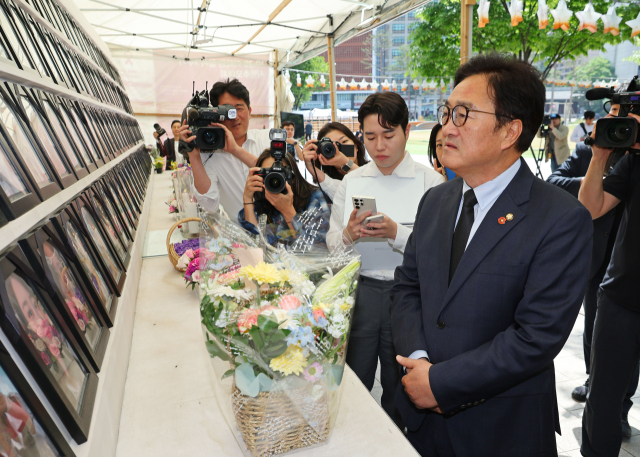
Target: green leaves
x,y
435,49
249,383
303,93
215,350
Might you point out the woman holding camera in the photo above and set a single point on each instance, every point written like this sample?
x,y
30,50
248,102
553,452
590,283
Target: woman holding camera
x,y
286,212
330,172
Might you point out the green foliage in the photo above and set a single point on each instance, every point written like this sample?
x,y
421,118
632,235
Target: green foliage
x,y
635,57
435,50
596,68
303,93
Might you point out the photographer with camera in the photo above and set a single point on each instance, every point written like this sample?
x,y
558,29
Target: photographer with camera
x,y
276,189
616,335
219,173
325,160
293,146
384,118
583,129
170,144
555,135
569,176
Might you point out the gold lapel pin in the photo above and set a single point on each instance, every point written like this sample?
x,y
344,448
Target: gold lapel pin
x,y
509,217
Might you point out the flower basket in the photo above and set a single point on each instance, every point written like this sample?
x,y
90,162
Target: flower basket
x,y
276,325
173,256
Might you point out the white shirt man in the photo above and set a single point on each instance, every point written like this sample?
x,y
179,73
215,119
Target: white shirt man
x,y
228,175
580,131
407,168
220,177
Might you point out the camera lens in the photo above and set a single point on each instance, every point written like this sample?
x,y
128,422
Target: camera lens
x,y
210,137
619,132
274,183
328,150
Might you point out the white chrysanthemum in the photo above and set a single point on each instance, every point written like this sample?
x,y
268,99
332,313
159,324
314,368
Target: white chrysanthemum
x,y
214,289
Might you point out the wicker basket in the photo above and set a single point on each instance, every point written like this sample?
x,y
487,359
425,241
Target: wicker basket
x,y
173,255
277,423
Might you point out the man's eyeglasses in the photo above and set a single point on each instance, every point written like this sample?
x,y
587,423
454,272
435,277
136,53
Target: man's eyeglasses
x,y
460,114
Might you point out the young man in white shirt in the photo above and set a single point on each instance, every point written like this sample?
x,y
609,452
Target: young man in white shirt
x,y
219,176
171,145
384,118
581,130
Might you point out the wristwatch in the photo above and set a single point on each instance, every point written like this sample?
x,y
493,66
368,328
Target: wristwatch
x,y
346,168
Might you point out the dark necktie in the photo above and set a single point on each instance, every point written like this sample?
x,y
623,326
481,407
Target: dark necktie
x,y
463,229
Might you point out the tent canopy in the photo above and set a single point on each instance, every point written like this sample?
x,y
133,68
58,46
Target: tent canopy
x,y
199,29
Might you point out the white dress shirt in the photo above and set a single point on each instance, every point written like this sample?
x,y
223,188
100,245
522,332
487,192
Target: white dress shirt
x,y
578,132
228,175
486,194
406,169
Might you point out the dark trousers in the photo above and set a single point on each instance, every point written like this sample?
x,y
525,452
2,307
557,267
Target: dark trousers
x,y
554,163
614,359
432,438
590,307
307,136
370,340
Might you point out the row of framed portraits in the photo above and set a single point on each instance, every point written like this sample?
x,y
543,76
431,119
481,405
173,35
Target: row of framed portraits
x,y
59,292
48,142
25,43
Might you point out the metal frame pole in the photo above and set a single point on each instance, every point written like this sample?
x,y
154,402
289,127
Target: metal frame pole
x,y
332,77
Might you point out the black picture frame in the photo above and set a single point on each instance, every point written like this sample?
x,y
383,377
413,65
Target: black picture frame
x,y
93,231
116,210
49,259
111,226
12,378
76,133
120,176
17,192
78,121
114,188
45,345
87,263
24,147
42,132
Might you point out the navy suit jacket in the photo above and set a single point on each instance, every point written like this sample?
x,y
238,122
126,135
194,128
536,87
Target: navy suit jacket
x,y
568,177
507,313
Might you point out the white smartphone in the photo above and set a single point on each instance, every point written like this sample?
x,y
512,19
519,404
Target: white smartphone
x,y
376,219
364,204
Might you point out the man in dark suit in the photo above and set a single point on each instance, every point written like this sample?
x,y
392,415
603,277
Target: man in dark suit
x,y
569,177
492,278
170,144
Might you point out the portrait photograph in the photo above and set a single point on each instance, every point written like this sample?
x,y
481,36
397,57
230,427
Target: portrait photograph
x,y
109,228
92,227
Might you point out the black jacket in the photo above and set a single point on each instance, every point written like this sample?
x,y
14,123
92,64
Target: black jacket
x,y
492,334
169,146
568,177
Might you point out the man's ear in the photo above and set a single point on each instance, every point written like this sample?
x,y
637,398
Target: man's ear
x,y
513,132
406,131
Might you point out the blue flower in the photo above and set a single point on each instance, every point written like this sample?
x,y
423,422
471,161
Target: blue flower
x,y
301,335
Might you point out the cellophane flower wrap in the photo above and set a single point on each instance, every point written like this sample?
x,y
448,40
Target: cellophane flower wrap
x,y
276,324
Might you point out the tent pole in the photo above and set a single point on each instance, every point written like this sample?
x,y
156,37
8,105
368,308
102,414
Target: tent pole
x,y
466,29
275,91
332,77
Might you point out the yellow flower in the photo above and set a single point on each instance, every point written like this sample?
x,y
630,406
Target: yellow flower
x,y
261,273
345,307
291,362
322,306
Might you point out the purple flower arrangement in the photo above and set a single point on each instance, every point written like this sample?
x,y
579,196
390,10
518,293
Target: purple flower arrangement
x,y
183,246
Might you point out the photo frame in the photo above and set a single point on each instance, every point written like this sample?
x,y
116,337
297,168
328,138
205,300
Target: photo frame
x,y
111,225
94,133
94,232
17,192
49,259
28,423
117,193
129,170
77,120
87,263
120,176
16,135
40,129
65,116
116,211
45,345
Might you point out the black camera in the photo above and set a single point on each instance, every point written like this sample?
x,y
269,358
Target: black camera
x,y
199,114
620,132
159,130
327,148
278,175
546,119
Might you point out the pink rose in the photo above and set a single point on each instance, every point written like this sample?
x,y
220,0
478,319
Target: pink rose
x,y
81,324
196,276
45,358
196,253
289,302
248,319
54,350
189,253
238,245
318,313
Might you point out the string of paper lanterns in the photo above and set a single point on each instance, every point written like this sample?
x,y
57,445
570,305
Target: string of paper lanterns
x,y
588,18
424,86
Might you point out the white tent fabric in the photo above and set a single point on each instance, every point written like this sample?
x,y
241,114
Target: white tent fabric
x,y
284,97
297,29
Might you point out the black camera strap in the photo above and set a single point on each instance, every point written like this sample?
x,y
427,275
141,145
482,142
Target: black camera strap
x,y
315,172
